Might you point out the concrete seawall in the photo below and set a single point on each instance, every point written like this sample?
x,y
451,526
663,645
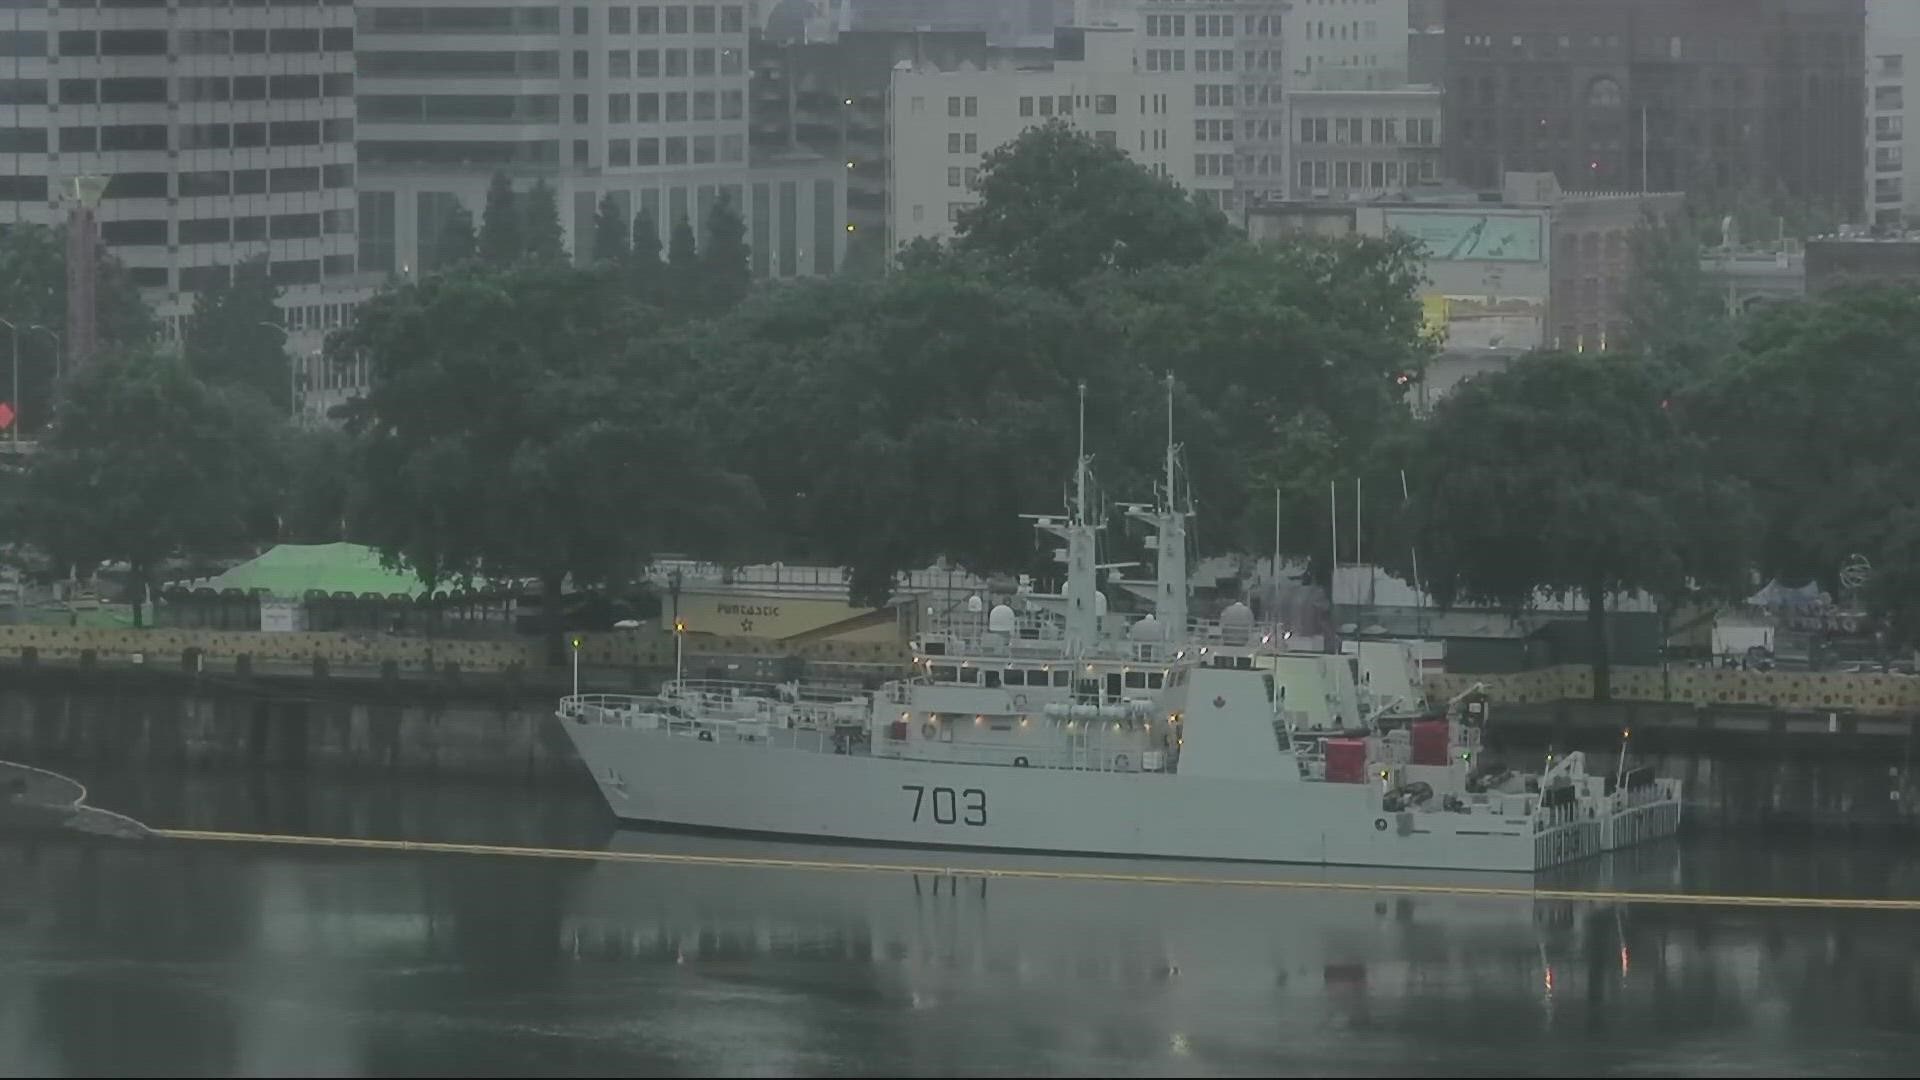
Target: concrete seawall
x,y
1739,767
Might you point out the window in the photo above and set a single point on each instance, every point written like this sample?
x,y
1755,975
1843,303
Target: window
x,y
294,179
973,143
133,43
86,43
677,150
646,108
1046,106
646,63
1026,109
336,176
1887,128
206,231
703,107
580,108
646,151
677,105
581,155
580,68
619,152
676,62
1103,105
293,87
953,176
1891,64
733,104
620,19
619,64
953,106
1107,138
703,19
973,106
703,61
249,88
295,132
133,91
194,184
293,41
704,150
133,137
1888,97
732,61
619,108
580,23
676,21
733,19
733,148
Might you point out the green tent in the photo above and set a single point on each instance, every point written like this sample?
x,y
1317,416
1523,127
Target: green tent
x,y
291,570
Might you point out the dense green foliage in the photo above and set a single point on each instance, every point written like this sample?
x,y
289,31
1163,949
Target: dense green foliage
x,y
533,419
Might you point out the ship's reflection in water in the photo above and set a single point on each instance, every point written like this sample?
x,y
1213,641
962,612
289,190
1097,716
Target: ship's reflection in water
x,y
219,960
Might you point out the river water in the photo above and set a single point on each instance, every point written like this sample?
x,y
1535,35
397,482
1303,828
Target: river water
x,y
693,955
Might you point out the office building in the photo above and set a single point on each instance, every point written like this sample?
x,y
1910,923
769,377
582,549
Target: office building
x,y
945,121
1710,97
225,132
643,102
1893,73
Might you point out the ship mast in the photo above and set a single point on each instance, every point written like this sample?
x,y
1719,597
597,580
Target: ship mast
x,y
1170,606
1078,603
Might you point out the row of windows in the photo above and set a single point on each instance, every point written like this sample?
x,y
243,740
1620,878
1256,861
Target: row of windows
x,y
190,88
1384,131
1213,26
680,105
675,150
650,19
1362,174
71,43
153,232
651,63
280,272
460,20
222,136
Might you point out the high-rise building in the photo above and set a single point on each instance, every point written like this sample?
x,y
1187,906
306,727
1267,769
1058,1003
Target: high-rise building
x,y
1893,73
1710,97
1228,58
225,132
1347,44
829,95
646,103
1365,143
943,122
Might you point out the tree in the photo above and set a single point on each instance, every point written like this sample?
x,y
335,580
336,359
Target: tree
x,y
1568,473
502,229
610,236
1674,314
33,295
891,421
1814,410
510,431
540,225
147,462
725,276
316,484
1298,350
682,283
1056,206
648,275
454,245
233,338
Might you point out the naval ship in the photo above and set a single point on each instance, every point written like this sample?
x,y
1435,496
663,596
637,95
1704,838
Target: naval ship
x,y
1047,724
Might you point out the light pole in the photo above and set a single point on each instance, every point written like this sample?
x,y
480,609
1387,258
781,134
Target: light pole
x,y
13,336
679,628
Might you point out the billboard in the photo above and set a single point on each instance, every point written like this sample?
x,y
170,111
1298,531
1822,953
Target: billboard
x,y
1473,236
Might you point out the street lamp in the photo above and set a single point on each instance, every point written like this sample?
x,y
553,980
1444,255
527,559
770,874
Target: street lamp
x,y
674,578
13,335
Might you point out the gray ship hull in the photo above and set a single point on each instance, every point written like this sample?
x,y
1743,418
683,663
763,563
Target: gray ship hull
x,y
652,776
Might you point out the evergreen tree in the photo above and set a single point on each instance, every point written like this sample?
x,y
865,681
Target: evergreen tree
x,y
610,242
540,225
455,243
233,336
502,237
647,271
682,283
725,275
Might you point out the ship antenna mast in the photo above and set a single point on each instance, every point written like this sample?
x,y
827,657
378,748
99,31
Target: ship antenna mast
x,y
1080,470
1172,504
